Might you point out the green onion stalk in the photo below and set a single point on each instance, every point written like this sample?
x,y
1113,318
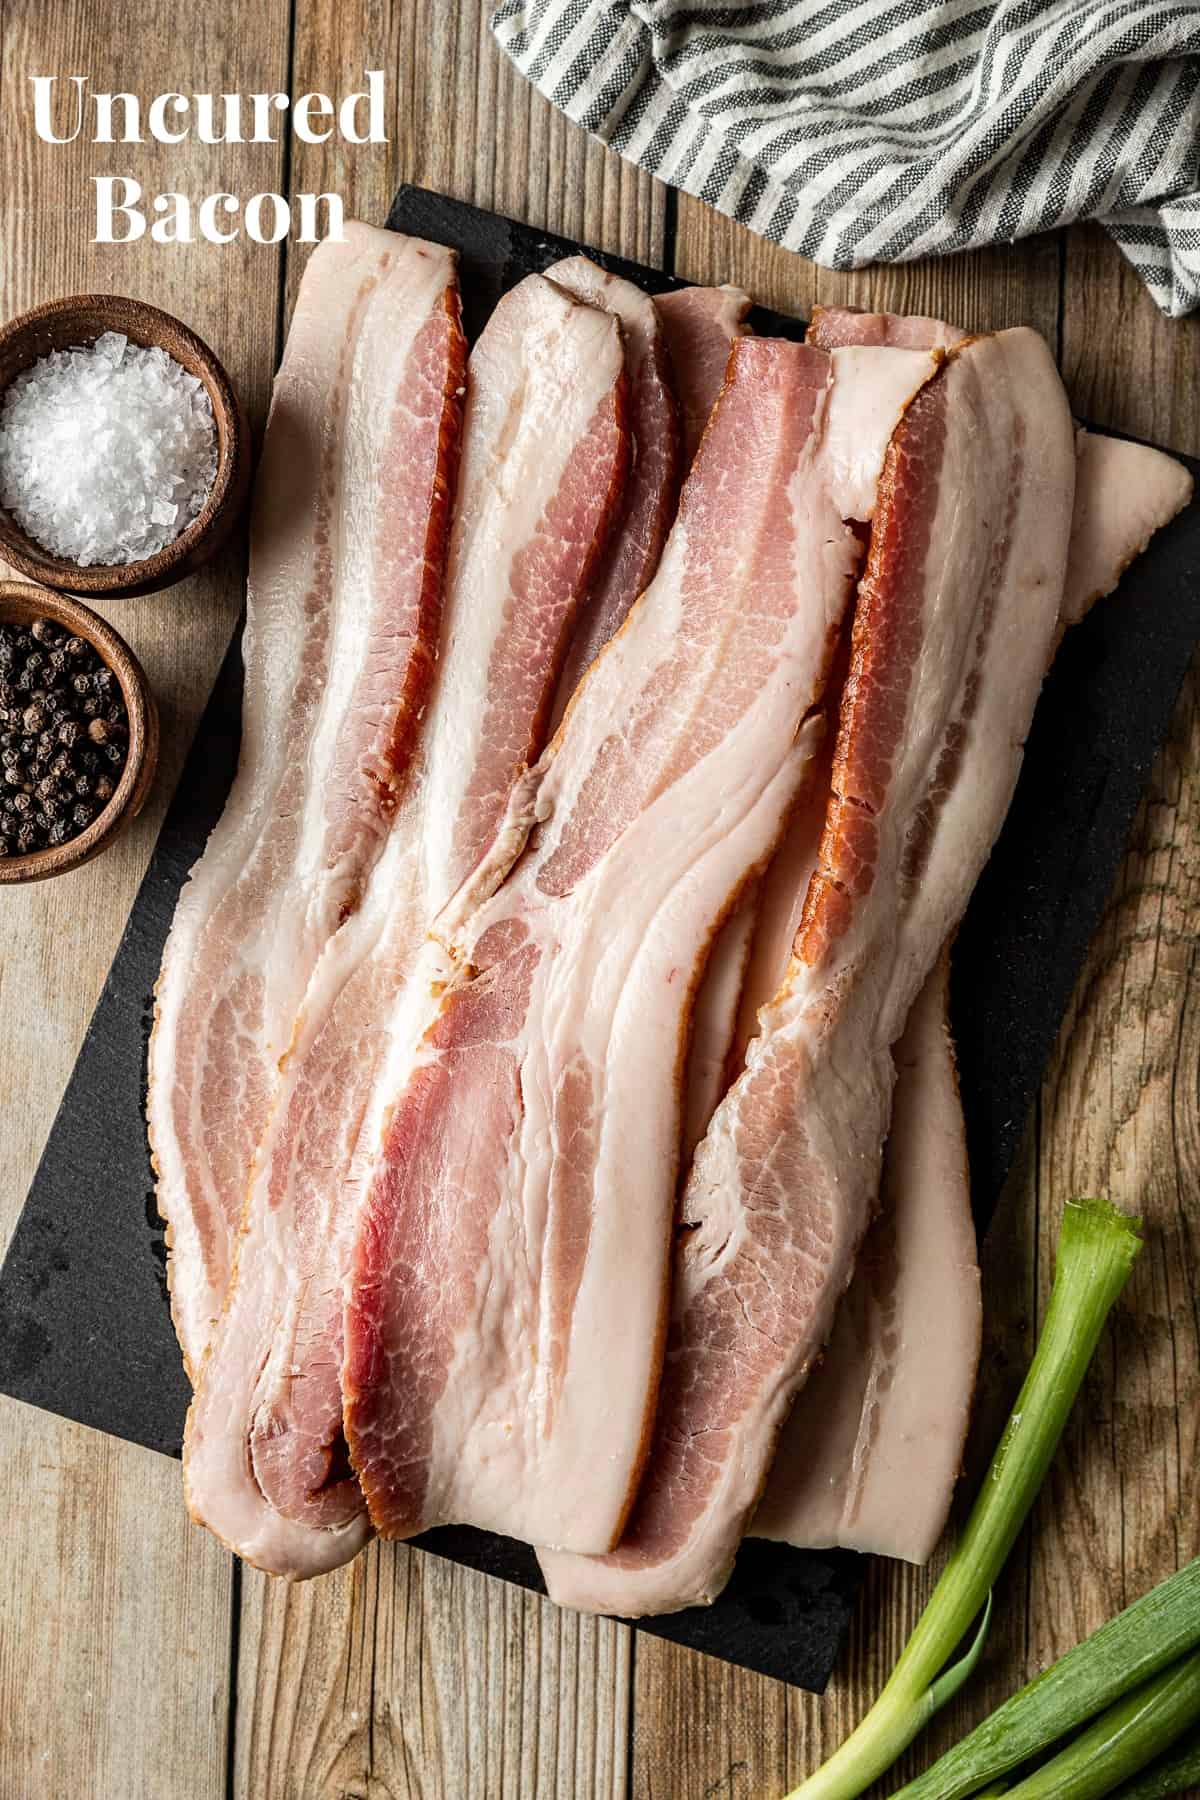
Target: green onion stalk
x,y
1122,1740
1142,1644
1097,1247
1179,1769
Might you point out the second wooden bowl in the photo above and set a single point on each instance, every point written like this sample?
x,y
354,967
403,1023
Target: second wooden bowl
x,y
78,321
21,603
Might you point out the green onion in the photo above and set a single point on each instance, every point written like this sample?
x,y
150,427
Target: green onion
x,y
1169,1775
1122,1740
1144,1639
1096,1250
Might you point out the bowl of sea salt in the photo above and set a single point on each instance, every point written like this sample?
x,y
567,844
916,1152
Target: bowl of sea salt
x,y
124,459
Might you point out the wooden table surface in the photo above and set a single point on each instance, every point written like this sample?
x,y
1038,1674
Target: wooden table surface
x,y
137,1662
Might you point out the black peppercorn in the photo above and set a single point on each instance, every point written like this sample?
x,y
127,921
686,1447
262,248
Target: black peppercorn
x,y
63,736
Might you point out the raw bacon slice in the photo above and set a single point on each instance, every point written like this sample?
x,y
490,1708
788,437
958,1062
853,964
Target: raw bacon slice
x,y
346,557
1124,493
525,1195
701,326
834,326
956,617
652,492
869,393
545,451
872,1448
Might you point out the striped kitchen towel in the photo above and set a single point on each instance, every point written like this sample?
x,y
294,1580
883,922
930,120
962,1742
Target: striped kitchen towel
x,y
858,131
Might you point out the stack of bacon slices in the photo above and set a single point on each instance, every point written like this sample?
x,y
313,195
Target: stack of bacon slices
x,y
551,1090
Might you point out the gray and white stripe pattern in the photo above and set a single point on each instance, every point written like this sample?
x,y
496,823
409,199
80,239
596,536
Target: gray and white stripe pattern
x,y
858,131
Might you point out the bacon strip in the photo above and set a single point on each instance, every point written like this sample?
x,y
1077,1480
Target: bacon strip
x,y
872,1448
346,558
956,617
525,1197
701,325
652,493
832,327
868,396
1124,493
545,453
870,1453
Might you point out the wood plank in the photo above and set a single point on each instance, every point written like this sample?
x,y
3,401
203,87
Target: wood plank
x,y
1121,1108
701,1727
1125,363
984,291
114,1654
405,1675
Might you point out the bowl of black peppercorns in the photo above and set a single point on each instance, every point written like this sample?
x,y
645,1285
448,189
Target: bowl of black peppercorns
x,y
78,733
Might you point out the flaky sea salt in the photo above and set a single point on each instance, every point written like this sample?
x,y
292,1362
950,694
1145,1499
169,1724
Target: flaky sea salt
x,y
108,453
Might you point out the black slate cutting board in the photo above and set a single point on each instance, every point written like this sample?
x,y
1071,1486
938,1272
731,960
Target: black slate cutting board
x,y
84,1324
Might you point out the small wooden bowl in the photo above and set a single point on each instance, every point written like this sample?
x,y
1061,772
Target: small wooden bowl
x,y
21,603
80,320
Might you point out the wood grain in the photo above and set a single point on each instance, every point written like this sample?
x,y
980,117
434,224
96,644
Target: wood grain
x,y
1121,1103
114,1651
407,1676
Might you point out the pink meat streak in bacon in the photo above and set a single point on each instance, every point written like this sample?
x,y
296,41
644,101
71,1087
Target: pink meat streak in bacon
x,y
701,325
652,492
